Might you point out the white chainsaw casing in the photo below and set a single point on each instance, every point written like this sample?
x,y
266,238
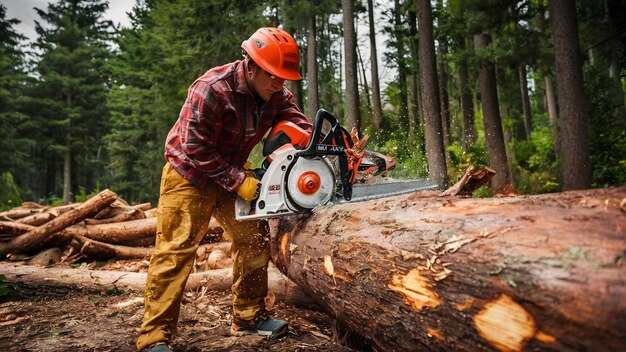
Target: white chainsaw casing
x,y
272,198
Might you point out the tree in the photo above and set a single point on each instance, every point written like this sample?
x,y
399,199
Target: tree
x,y
13,157
576,164
352,90
467,102
73,83
311,50
491,117
377,109
437,170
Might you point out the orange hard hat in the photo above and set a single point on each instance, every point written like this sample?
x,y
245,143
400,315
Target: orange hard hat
x,y
275,51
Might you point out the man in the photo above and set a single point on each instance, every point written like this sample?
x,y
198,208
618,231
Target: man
x,y
226,113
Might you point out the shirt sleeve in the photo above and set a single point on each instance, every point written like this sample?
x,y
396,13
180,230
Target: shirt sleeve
x,y
201,123
289,111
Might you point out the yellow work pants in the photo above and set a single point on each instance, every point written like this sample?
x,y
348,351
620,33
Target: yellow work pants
x,y
184,213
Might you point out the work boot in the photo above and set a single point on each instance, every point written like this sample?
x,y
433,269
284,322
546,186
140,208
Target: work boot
x,y
263,325
158,347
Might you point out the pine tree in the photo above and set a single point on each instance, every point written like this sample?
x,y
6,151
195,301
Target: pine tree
x,y
13,157
74,84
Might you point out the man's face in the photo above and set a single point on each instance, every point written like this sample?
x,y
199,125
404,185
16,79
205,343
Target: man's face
x,y
266,84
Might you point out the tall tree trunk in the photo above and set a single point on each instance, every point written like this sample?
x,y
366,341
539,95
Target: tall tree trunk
x,y
67,158
444,98
412,90
352,88
398,24
491,115
311,55
437,170
554,117
523,85
575,161
366,87
67,175
378,111
467,101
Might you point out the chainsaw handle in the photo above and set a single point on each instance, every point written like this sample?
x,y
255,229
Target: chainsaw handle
x,y
335,137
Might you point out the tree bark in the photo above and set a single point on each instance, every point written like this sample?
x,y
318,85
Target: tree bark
x,y
353,115
444,97
575,160
378,111
554,117
415,273
467,102
26,209
98,280
437,170
121,232
491,116
523,85
90,207
45,216
311,72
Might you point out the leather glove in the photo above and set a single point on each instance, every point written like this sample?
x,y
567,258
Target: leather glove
x,y
250,188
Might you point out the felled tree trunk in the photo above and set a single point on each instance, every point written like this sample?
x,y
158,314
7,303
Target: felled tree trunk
x,y
219,279
418,272
32,238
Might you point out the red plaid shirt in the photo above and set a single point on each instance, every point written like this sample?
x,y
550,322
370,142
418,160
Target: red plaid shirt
x,y
219,125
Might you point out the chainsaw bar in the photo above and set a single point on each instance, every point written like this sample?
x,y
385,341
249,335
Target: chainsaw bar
x,y
363,192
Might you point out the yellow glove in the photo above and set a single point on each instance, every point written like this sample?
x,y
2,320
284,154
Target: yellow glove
x,y
250,188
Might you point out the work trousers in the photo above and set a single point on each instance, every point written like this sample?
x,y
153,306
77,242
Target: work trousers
x,y
183,217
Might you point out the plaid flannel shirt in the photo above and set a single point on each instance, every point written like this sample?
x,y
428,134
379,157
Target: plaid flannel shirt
x,y
219,125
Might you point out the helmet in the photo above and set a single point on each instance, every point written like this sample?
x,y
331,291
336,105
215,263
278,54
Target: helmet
x,y
275,51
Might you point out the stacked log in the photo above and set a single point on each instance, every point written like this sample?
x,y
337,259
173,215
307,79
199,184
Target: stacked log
x,y
101,228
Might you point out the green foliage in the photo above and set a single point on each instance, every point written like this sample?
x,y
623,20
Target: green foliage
x,y
6,288
406,147
9,192
607,134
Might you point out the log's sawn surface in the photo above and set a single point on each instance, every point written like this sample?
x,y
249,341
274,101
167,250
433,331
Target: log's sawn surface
x,y
419,272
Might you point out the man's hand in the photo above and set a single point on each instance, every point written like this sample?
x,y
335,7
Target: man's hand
x,y
250,188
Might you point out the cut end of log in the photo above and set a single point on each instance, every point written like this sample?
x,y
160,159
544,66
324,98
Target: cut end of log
x,y
415,289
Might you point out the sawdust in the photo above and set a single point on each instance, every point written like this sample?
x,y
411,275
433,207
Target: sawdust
x,y
39,318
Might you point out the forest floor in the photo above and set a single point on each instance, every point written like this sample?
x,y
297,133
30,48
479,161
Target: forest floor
x,y
41,317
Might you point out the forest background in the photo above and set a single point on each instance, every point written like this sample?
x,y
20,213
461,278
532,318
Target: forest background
x,y
533,88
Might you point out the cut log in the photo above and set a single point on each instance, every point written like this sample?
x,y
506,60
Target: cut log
x,y
417,272
151,212
25,209
14,227
98,280
47,215
102,251
127,215
127,231
32,238
116,233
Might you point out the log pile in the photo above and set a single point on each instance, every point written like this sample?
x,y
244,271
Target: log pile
x,y
101,228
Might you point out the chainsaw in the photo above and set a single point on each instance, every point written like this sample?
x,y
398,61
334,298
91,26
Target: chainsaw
x,y
303,170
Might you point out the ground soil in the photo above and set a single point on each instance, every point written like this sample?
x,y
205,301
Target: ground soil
x,y
55,318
